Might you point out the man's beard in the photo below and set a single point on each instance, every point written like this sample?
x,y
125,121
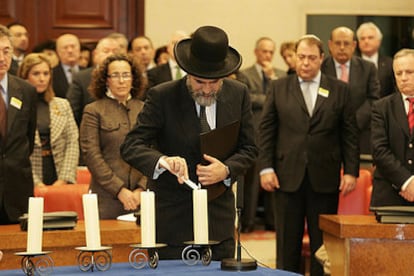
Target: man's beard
x,y
201,98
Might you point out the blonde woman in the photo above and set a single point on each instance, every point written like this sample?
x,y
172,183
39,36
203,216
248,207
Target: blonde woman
x,y
56,152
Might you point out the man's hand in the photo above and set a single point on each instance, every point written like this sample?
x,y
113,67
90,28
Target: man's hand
x,y
408,193
269,181
268,70
177,166
348,184
212,173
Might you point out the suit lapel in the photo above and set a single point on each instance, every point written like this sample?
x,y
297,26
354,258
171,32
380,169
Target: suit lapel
x,y
320,99
15,103
295,89
187,113
397,107
224,109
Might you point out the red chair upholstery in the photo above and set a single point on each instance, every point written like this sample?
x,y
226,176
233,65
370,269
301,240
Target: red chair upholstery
x,y
63,198
83,175
355,203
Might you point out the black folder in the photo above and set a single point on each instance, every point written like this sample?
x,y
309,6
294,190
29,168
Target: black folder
x,y
394,214
220,143
60,220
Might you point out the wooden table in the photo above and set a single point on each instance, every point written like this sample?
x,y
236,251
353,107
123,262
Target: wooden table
x,y
358,245
62,243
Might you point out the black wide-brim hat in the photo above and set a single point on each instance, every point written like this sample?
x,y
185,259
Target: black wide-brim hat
x,y
207,54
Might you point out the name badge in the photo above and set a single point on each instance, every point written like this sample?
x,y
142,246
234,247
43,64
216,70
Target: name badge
x,y
323,92
16,103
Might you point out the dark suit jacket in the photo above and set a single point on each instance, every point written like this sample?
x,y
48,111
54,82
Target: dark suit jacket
x,y
365,88
16,181
14,67
159,74
60,82
78,95
386,75
169,125
392,150
292,143
257,96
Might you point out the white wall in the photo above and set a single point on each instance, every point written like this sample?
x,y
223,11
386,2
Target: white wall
x,y
246,20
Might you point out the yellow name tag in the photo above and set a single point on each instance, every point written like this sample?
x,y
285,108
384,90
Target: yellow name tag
x,y
16,103
323,92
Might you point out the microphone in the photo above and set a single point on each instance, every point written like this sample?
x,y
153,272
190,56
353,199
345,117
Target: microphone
x,y
238,264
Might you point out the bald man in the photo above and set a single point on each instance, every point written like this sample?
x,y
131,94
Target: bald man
x,y
68,51
361,76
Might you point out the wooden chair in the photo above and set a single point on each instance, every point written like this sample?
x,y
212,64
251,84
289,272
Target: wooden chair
x,y
83,175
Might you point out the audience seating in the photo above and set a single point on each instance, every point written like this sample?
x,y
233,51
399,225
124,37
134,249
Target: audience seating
x,y
66,197
355,203
83,175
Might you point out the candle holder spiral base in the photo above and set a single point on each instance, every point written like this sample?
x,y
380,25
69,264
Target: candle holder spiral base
x,y
36,263
194,253
138,258
99,258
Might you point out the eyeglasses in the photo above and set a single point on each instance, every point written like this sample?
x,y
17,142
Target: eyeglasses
x,y
118,76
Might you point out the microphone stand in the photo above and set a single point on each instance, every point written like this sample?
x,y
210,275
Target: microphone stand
x,y
238,264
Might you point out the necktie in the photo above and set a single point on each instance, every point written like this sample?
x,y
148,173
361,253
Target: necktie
x,y
265,82
205,127
344,73
307,96
410,115
3,116
70,70
178,73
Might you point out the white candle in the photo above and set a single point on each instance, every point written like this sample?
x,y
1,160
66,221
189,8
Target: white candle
x,y
35,225
91,216
200,216
147,219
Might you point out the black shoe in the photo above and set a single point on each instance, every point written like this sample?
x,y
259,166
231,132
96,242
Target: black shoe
x,y
247,228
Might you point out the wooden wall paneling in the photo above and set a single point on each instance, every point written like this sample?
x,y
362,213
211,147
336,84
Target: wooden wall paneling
x,y
23,11
90,20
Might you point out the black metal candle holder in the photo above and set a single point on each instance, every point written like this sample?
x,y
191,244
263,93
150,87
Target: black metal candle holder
x,y
194,253
36,263
99,258
138,258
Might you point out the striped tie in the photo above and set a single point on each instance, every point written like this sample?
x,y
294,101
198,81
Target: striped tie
x,y
410,114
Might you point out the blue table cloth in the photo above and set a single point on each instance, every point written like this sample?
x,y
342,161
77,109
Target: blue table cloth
x,y
176,267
